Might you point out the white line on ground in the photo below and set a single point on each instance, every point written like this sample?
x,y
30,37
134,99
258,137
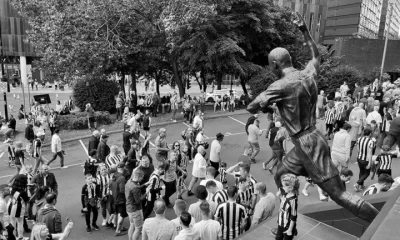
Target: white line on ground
x,y
234,119
72,165
187,125
152,144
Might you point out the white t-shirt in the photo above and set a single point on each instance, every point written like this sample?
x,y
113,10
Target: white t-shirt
x,y
178,226
199,166
200,137
254,133
219,187
374,116
214,150
197,122
209,229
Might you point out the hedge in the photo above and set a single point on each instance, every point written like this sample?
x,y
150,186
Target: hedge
x,y
78,120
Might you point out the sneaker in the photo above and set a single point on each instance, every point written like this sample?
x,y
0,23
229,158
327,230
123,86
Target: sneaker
x,y
104,223
124,229
252,160
95,227
347,182
64,167
120,234
305,193
190,193
109,225
323,199
357,187
89,230
264,166
274,231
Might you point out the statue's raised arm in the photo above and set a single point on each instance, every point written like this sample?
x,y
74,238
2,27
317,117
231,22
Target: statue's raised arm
x,y
313,65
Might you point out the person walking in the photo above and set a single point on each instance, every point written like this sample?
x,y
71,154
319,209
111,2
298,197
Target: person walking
x,y
366,147
161,145
341,146
254,134
250,121
103,150
117,187
56,148
215,152
199,168
94,141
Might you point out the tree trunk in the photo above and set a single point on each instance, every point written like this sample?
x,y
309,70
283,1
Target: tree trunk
x,y
158,77
133,83
203,80
243,83
177,77
122,83
219,80
197,80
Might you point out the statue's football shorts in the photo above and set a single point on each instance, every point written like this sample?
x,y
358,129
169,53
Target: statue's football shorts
x,y
311,157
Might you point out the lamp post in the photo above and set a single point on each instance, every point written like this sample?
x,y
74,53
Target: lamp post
x,y
386,40
3,75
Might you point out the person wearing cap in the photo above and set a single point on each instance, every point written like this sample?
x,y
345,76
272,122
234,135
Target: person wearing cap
x,y
103,150
56,148
215,151
161,145
117,187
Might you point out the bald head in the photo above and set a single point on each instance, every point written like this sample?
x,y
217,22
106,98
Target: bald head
x,y
281,57
159,207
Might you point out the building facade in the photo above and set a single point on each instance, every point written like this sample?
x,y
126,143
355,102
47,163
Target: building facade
x,y
394,15
314,13
352,18
17,51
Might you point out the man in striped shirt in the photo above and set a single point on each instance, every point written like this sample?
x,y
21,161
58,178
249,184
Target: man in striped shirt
x,y
385,160
114,158
231,215
244,171
385,182
329,120
244,193
366,146
155,186
103,181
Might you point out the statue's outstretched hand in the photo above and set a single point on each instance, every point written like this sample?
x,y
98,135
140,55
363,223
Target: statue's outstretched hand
x,y
299,20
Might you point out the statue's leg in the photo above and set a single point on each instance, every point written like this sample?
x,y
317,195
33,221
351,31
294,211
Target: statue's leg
x,y
358,206
290,164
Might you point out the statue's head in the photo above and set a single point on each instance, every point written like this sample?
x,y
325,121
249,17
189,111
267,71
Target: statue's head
x,y
279,59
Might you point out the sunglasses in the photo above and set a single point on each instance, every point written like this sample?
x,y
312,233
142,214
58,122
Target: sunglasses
x,y
177,145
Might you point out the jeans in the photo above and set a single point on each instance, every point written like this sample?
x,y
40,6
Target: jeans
x,y
95,212
353,144
364,172
170,189
276,157
61,155
119,113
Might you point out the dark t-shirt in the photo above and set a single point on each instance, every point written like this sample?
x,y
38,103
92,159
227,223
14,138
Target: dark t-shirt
x,y
379,95
381,107
272,136
19,154
395,126
12,124
126,137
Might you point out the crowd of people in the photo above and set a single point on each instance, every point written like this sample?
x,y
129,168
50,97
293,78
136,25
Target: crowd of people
x,y
130,182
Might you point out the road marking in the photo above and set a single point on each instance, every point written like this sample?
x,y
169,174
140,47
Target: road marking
x,y
234,119
152,144
228,133
187,125
72,165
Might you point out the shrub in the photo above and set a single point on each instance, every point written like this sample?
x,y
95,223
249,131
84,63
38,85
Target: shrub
x,y
260,81
79,120
98,91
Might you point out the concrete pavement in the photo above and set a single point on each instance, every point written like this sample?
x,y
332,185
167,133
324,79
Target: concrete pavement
x,y
71,179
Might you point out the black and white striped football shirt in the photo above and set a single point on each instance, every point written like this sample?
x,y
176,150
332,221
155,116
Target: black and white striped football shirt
x,y
330,116
385,161
231,215
364,143
220,197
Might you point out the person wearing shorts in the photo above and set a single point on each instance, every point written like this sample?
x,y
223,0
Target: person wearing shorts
x,y
134,199
254,133
91,118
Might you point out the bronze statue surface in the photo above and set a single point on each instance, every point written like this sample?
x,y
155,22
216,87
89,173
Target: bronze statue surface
x,y
295,95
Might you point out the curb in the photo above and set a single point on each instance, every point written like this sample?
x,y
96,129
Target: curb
x,y
155,125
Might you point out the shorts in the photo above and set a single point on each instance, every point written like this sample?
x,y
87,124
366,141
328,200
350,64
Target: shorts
x,y
311,156
92,119
255,146
136,218
121,210
146,128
